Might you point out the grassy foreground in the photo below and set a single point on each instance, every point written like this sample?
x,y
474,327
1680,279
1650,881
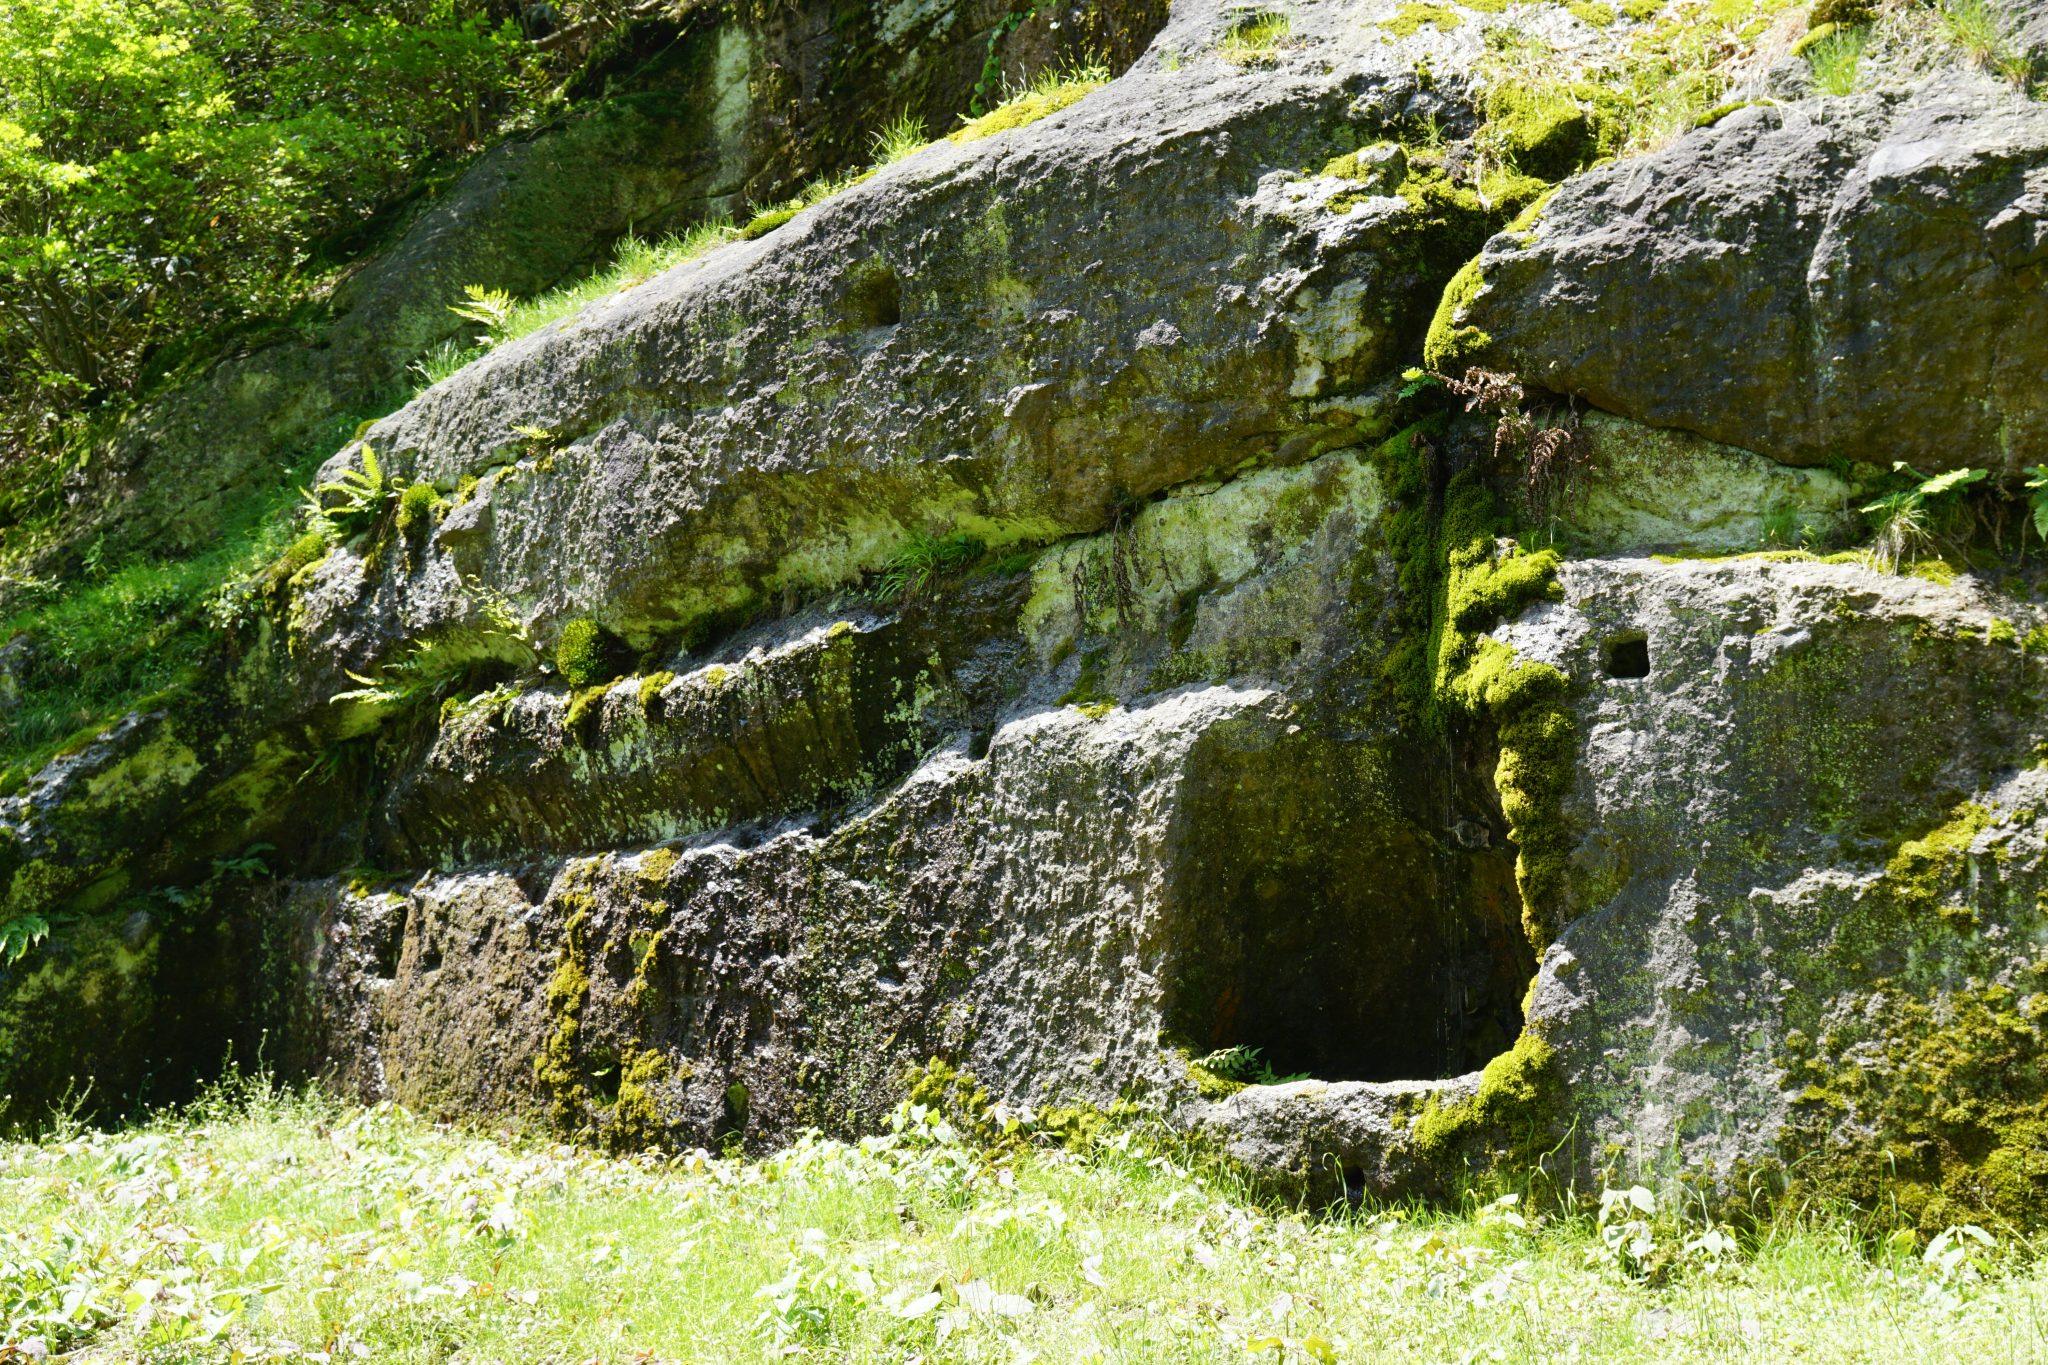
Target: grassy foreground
x,y
261,1226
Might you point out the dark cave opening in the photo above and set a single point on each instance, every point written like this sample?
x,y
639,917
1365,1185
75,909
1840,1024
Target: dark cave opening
x,y
1326,918
1626,656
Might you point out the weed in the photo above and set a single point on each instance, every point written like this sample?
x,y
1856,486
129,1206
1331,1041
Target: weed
x,y
1834,60
922,559
1255,39
901,137
267,1224
1911,521
1244,1066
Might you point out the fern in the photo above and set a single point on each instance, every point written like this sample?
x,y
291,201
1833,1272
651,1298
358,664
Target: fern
x,y
1905,519
490,307
2037,498
363,495
19,935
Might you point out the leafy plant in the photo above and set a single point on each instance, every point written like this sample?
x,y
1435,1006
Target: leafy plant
x,y
1243,1065
422,670
1906,521
19,935
492,308
165,163
362,494
2037,498
922,559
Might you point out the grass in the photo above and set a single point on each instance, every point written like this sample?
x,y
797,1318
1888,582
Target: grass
x,y
504,319
268,1226
1834,60
1256,39
119,634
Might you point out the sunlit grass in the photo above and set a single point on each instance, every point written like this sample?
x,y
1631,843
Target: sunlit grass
x,y
282,1227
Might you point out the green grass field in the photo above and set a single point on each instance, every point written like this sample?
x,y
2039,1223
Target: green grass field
x,y
262,1226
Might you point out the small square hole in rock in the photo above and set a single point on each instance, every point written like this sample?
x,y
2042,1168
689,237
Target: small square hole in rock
x,y
1627,656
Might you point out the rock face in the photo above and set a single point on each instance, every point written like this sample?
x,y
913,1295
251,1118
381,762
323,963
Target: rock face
x,y
700,119
1044,624
939,350
1799,280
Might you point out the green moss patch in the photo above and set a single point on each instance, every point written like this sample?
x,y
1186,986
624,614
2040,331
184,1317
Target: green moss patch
x,y
587,654
1411,18
1515,1114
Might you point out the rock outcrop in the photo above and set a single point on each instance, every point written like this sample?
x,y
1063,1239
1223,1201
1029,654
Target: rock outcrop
x,y
1853,278
1030,610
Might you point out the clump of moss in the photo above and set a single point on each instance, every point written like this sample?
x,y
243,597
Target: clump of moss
x,y
1942,1118
1721,111
1545,129
1845,13
651,687
1514,1114
587,654
1450,340
635,1120
1592,13
1411,17
1048,94
1919,876
767,220
418,506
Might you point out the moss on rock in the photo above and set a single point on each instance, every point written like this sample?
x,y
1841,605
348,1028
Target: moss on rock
x,y
1514,1115
587,654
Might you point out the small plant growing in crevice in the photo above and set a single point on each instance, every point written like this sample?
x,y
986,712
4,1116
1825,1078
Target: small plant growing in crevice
x,y
355,500
922,560
1834,59
1256,39
421,671
901,137
1242,1065
1552,453
1927,514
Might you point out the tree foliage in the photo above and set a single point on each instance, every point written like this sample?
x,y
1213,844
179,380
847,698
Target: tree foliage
x,y
166,166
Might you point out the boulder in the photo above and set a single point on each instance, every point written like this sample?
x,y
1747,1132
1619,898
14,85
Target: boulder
x,y
1854,278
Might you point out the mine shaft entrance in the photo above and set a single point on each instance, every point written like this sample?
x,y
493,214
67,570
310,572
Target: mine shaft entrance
x,y
1331,916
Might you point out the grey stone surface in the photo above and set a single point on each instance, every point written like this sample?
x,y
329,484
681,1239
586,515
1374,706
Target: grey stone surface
x,y
959,344
1857,278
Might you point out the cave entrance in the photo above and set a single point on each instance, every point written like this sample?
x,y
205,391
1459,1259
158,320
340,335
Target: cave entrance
x,y
1325,915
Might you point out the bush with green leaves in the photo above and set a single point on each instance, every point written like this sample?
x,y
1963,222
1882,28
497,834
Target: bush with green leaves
x,y
168,167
